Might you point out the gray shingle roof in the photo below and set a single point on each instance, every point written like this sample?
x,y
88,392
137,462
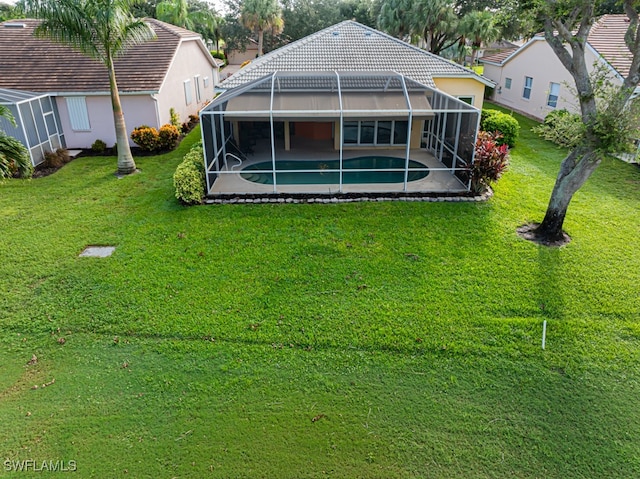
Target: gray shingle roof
x,y
351,46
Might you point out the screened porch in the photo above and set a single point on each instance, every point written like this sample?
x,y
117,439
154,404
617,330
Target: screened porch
x,y
337,132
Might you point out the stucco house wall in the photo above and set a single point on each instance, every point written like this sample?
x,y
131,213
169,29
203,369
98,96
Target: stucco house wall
x,y
138,110
462,88
189,63
236,57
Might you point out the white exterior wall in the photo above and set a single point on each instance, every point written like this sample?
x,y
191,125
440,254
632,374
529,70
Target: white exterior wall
x,y
538,61
189,61
138,110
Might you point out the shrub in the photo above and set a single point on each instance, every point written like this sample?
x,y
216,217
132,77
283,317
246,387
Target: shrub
x,y
52,160
491,161
99,147
188,179
168,137
174,119
63,154
194,119
220,56
508,126
562,128
146,137
14,158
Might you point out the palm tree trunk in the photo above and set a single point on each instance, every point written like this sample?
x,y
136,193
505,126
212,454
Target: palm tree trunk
x,y
571,177
260,41
126,165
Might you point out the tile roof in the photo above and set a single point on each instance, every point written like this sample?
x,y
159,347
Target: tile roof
x,y
607,38
351,46
40,65
499,57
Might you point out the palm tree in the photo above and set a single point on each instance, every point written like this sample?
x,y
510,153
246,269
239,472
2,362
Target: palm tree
x,y
196,16
395,17
14,157
102,30
479,27
261,15
175,12
437,22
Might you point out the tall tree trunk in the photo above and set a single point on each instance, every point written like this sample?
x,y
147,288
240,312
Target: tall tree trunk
x,y
126,165
260,41
575,169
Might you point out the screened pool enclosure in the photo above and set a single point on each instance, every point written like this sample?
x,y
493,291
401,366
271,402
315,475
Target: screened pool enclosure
x,y
37,122
337,132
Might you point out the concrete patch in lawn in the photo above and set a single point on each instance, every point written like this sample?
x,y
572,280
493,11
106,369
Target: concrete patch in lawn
x,y
98,251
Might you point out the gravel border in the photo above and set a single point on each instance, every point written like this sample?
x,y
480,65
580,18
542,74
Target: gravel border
x,y
346,198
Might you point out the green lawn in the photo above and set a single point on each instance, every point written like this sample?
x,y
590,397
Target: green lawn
x,y
373,340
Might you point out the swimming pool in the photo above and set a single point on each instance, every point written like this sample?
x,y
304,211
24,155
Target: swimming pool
x,y
317,172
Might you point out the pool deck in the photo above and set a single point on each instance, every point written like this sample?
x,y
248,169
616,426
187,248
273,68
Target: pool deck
x,y
439,180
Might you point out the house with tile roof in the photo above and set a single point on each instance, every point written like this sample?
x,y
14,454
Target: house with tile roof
x,y
351,46
347,109
173,71
532,80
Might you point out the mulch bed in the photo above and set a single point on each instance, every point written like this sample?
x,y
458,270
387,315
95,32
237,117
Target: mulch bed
x,y
41,170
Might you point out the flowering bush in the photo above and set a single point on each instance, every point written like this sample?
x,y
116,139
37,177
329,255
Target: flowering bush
x,y
491,160
168,137
146,137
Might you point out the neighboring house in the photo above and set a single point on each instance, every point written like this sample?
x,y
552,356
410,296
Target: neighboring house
x,y
238,56
532,80
342,93
173,71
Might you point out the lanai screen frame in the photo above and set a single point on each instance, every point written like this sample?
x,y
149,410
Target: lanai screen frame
x,y
446,112
38,122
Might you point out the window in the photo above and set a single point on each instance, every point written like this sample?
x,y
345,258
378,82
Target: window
x,y
375,132
528,84
554,93
196,81
78,113
205,82
188,97
367,132
400,132
467,99
350,132
507,83
384,133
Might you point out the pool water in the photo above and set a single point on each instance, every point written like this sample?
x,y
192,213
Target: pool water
x,y
284,175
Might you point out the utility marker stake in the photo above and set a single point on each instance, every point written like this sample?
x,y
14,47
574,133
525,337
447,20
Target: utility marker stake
x,y
544,333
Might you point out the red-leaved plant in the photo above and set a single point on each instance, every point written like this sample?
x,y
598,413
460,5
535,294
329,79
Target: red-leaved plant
x,y
491,161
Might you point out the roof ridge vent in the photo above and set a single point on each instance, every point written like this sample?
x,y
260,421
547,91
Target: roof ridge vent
x,y
14,25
